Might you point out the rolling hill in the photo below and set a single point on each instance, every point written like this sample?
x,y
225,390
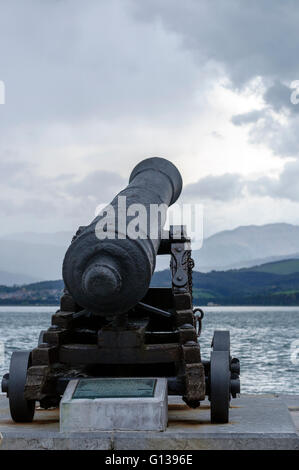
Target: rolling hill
x,y
288,266
269,284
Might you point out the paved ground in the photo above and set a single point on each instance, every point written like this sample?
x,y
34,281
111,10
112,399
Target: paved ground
x,y
256,422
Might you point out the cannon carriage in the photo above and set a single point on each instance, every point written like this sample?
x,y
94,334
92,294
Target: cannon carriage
x,y
112,323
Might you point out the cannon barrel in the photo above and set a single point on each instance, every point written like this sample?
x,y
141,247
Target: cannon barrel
x,y
110,274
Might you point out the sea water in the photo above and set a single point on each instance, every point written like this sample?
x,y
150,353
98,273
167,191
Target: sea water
x,y
265,339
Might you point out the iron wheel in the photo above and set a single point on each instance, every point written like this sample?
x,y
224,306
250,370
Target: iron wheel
x,y
220,376
21,410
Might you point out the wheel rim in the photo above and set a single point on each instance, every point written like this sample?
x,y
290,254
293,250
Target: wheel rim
x,y
219,386
221,340
21,410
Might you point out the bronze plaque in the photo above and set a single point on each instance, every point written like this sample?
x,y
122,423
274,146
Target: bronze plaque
x,y
115,388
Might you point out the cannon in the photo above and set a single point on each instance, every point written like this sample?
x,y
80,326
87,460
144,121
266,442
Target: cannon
x,y
113,323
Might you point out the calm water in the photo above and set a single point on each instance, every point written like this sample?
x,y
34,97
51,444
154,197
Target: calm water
x,y
265,339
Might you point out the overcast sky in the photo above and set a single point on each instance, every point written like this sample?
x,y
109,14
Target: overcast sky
x,y
93,87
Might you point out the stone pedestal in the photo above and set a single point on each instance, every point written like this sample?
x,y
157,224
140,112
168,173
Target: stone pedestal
x,y
90,405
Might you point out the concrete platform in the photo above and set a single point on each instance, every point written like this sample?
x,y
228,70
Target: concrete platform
x,y
256,422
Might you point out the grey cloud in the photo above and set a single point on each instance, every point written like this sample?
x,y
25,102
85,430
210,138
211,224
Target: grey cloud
x,y
284,187
80,198
101,185
278,96
256,38
280,137
248,118
21,175
27,206
64,196
217,135
123,62
67,61
232,186
226,187
250,40
10,166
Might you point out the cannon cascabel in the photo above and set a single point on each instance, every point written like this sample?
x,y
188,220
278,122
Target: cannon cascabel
x,y
109,276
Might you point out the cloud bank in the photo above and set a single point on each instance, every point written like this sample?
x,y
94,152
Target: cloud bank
x,y
93,87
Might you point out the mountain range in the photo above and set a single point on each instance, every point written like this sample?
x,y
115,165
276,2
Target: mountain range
x,y
274,283
28,257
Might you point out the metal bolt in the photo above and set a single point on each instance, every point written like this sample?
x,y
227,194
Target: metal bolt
x,y
235,366
4,384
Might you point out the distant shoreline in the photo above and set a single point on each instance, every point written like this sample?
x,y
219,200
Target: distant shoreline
x,y
272,284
